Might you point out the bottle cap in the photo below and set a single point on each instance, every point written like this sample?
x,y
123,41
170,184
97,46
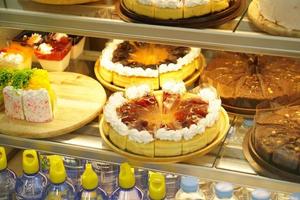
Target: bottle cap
x,y
3,159
224,190
157,186
89,178
126,176
189,184
57,170
260,194
30,162
295,196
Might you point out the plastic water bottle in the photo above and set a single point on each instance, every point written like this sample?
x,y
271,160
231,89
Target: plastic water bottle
x,y
59,187
127,189
224,191
295,196
189,189
172,185
108,175
31,185
7,178
157,187
260,194
74,168
90,189
141,177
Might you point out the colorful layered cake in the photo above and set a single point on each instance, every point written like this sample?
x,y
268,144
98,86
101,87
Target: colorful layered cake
x,y
173,122
55,53
15,57
277,137
175,9
245,80
126,63
27,95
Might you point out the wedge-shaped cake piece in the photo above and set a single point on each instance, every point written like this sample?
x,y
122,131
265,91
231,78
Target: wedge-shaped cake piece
x,y
144,7
140,148
171,9
219,5
196,8
37,105
13,102
118,140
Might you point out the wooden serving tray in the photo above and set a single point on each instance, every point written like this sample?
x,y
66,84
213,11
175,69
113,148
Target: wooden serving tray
x,y
236,8
64,2
172,159
79,101
267,26
263,167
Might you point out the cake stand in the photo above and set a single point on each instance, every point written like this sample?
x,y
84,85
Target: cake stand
x,y
263,167
265,25
79,101
171,159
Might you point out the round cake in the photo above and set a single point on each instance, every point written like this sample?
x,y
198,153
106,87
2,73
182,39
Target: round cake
x,y
244,80
277,137
175,9
168,123
125,63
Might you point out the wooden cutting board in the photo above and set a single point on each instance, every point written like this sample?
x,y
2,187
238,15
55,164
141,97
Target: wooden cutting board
x,y
64,2
79,100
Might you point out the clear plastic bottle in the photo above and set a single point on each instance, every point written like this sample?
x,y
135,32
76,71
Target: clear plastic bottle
x,y
141,179
90,188
7,178
127,189
31,185
59,187
295,196
157,187
74,168
189,189
260,194
172,185
224,191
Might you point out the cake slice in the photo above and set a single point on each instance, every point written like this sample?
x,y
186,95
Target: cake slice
x,y
219,5
171,9
143,7
13,101
196,8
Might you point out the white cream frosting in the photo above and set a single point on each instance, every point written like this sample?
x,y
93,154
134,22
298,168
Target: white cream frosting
x,y
45,48
188,58
192,3
168,3
284,13
37,37
117,100
11,58
146,2
174,87
58,36
107,56
137,91
106,62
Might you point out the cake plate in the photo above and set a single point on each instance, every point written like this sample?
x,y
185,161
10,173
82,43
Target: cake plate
x,y
265,25
79,101
64,2
171,159
114,88
263,167
236,8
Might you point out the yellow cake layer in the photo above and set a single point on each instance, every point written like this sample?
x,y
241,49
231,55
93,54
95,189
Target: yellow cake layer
x,y
129,4
194,144
167,148
106,74
168,13
197,10
180,75
117,139
218,5
141,9
212,132
126,81
140,149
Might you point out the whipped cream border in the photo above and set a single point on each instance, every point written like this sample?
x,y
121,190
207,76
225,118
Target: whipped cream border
x,y
11,58
107,55
117,99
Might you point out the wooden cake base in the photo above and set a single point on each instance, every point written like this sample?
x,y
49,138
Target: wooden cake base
x,y
79,100
265,25
64,2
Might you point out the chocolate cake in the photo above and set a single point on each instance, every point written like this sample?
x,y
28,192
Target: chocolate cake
x,y
245,80
277,137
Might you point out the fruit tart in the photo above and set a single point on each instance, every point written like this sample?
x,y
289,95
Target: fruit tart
x,y
54,54
125,63
171,122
